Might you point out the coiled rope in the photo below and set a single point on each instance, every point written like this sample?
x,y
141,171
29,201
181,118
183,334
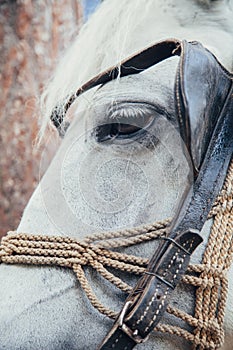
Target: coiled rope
x,y
210,277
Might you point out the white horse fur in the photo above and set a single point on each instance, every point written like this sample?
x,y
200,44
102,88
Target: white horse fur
x,y
93,186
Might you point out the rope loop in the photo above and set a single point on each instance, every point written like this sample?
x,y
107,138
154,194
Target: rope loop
x,y
96,251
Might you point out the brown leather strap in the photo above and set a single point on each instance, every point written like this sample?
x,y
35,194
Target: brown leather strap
x,y
132,65
170,262
118,339
148,301
203,94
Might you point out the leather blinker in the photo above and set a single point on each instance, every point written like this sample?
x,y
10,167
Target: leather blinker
x,y
201,87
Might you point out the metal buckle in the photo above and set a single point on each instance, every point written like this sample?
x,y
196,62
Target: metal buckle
x,y
133,334
120,319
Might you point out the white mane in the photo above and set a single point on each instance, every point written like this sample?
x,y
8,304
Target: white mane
x,y
110,36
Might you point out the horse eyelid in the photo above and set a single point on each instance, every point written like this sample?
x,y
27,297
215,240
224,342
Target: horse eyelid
x,y
133,110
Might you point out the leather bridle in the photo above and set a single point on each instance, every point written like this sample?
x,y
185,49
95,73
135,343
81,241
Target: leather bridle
x,y
206,126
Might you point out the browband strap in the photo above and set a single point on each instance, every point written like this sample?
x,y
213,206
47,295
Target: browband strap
x,y
132,65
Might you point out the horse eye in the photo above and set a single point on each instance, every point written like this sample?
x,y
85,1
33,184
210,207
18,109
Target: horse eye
x,y
122,130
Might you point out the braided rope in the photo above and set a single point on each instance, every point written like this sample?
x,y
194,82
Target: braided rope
x,y
209,278
212,282
211,299
67,252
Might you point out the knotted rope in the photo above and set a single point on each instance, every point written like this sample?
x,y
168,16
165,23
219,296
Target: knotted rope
x,y
210,277
93,251
212,282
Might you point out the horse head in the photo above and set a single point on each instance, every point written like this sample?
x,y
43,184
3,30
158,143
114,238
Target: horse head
x,y
132,144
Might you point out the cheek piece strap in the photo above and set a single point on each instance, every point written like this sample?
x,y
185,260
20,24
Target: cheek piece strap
x,y
204,105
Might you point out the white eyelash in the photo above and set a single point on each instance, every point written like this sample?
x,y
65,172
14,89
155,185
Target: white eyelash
x,y
129,111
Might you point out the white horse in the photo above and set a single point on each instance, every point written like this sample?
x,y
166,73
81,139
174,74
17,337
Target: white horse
x,y
95,186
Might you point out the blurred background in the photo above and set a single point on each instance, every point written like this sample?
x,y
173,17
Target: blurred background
x,y
33,36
